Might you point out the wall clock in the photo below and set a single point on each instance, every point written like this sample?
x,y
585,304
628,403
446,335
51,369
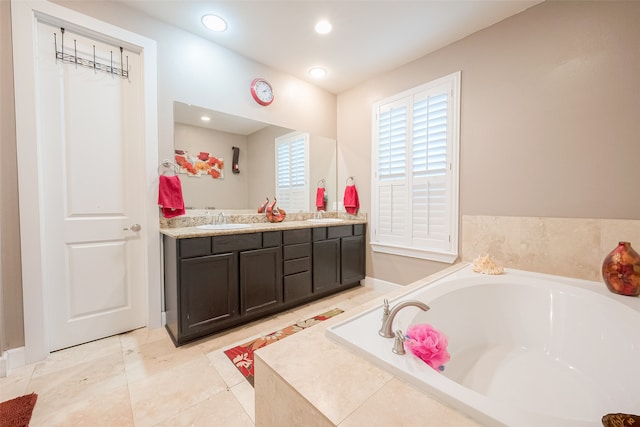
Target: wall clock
x,y
261,91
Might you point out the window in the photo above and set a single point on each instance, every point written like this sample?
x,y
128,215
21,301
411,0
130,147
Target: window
x,y
292,171
415,179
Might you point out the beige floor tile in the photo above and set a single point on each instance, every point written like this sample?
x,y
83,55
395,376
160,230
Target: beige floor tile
x,y
63,359
139,337
225,368
70,386
157,356
245,394
173,390
112,408
221,409
15,383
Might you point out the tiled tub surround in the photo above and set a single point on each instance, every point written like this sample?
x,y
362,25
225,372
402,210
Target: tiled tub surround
x,y
572,247
527,349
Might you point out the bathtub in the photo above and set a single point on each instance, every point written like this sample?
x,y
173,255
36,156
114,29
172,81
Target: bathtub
x,y
526,349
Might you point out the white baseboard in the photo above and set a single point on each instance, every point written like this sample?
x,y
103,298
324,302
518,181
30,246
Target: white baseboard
x,y
380,285
12,359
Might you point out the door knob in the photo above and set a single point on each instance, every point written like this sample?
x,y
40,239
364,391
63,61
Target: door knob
x,y
135,228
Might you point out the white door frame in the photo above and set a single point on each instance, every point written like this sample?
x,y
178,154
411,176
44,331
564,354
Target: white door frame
x,y
24,16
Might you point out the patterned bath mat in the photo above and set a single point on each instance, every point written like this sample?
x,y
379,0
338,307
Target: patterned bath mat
x,y
242,355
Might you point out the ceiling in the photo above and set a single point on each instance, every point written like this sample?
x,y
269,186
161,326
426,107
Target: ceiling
x,y
368,37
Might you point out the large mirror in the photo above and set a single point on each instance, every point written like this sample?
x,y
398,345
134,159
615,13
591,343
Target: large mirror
x,y
212,143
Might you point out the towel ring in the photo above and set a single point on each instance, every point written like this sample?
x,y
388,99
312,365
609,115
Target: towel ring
x,y
168,164
323,182
353,180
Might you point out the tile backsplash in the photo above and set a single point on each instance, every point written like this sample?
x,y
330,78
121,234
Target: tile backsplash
x,y
573,247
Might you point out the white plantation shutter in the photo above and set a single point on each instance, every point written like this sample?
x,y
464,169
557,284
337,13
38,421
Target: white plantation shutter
x,y
415,203
292,160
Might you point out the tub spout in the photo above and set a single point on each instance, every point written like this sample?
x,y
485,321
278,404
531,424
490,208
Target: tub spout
x,y
387,325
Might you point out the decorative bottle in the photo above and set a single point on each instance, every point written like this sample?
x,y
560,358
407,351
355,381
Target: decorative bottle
x,y
621,270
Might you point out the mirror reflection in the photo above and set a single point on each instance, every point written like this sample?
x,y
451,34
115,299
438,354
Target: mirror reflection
x,y
207,142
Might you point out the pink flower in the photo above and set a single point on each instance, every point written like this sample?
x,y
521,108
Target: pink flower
x,y
428,344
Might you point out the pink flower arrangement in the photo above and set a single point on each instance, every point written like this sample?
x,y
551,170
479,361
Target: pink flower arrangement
x,y
428,344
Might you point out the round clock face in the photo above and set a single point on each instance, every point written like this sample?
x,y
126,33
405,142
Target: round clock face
x,y
261,91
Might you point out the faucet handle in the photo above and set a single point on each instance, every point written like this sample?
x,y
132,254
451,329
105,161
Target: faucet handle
x,y
398,343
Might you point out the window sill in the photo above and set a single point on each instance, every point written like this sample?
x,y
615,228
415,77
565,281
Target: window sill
x,y
431,255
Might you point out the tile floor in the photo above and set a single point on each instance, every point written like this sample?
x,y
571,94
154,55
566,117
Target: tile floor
x,y
141,379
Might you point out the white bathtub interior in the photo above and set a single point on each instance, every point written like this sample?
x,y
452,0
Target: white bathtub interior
x,y
526,349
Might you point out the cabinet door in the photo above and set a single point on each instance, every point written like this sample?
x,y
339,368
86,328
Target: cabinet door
x,y
208,292
260,280
352,259
326,265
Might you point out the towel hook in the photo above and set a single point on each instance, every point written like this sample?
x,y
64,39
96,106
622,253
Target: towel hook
x,y
353,180
323,182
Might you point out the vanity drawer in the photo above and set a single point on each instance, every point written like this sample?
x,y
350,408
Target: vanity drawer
x,y
271,239
196,246
358,229
297,286
299,265
290,237
237,242
296,251
339,231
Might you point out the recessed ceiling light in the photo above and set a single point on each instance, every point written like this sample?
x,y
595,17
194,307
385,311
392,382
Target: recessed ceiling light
x,y
214,23
323,27
317,72
205,118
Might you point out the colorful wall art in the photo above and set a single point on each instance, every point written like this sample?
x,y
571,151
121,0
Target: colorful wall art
x,y
201,164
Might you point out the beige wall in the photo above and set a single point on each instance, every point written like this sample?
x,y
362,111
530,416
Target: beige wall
x,y
549,118
11,323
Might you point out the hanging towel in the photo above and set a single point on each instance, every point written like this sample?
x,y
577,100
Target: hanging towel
x,y
320,199
170,196
351,202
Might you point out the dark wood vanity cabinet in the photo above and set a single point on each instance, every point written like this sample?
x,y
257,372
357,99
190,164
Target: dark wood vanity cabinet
x,y
214,283
340,250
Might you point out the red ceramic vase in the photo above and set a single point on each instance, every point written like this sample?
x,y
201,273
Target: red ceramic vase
x,y
621,270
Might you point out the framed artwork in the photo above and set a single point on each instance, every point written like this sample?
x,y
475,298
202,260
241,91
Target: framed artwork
x,y
201,164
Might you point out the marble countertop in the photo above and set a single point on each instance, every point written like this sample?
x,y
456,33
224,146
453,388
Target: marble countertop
x,y
256,227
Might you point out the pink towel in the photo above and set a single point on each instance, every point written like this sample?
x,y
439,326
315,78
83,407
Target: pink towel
x,y
170,196
351,202
320,199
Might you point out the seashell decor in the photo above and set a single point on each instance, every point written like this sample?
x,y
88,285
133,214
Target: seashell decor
x,y
485,265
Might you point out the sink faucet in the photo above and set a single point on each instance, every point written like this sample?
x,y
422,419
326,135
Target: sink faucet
x,y
318,214
221,219
387,317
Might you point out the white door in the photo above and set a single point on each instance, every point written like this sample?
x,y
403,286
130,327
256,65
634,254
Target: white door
x,y
91,132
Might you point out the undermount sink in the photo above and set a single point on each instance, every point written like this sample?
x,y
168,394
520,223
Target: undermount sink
x,y
325,220
222,226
